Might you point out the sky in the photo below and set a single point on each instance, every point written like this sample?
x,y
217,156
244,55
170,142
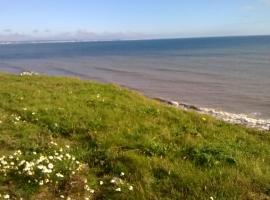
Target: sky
x,y
131,19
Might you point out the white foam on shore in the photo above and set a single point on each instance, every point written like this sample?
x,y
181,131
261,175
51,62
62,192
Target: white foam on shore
x,y
262,124
233,118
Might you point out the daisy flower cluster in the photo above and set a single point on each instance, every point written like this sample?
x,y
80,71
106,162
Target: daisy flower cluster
x,y
39,169
53,168
119,184
16,118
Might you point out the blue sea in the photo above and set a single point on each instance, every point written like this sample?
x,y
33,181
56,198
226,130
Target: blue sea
x,y
224,73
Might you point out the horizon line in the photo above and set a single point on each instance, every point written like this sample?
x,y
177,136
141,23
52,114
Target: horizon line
x,y
56,41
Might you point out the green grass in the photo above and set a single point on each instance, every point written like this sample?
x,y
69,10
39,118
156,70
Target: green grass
x,y
165,153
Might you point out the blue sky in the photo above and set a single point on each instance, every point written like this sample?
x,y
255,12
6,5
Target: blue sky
x,y
21,19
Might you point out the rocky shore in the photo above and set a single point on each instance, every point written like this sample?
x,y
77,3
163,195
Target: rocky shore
x,y
262,124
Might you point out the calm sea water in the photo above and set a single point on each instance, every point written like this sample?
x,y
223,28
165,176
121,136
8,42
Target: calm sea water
x,y
231,74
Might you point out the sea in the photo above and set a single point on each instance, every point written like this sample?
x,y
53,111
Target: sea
x,y
230,74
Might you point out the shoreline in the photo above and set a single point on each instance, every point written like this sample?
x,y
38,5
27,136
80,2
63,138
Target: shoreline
x,y
233,118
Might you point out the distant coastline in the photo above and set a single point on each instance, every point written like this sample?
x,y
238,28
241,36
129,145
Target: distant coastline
x,y
124,40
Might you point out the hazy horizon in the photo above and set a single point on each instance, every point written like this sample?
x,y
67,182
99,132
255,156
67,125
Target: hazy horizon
x,y
68,40
121,20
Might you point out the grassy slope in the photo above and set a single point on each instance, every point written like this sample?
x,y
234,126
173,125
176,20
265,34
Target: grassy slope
x,y
165,153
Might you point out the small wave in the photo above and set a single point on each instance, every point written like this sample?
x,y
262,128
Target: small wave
x,y
233,118
117,71
68,72
186,71
244,119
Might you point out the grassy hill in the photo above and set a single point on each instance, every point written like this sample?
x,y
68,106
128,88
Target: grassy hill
x,y
64,138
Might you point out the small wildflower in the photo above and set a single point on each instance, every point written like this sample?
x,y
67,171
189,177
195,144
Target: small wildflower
x,y
54,143
122,174
212,198
46,171
86,187
40,167
92,191
130,187
204,119
30,173
6,196
68,156
113,181
62,196
50,166
118,189
59,175
101,182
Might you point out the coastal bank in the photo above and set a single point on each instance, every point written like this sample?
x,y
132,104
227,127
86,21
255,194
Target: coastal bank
x,y
65,138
